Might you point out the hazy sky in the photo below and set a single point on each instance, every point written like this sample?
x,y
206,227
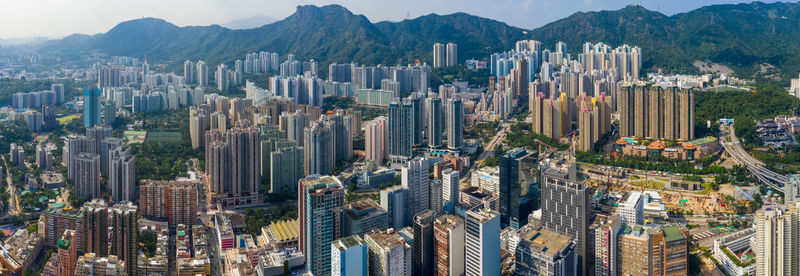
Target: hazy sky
x,y
25,18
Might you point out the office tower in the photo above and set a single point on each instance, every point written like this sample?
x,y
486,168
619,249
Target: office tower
x,y
544,252
318,149
122,176
87,175
362,216
389,254
286,167
414,177
518,173
435,198
631,211
174,201
395,201
452,54
294,124
417,101
777,246
202,73
450,186
67,253
423,244
96,226
435,121
189,74
93,264
245,161
439,55
482,242
449,245
400,126
455,124
376,137
125,229
349,257
91,107
320,200
565,210
605,245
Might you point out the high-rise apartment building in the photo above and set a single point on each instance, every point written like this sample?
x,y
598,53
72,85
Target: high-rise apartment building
x,y
91,107
435,198
389,254
87,175
400,129
376,138
439,55
435,121
777,247
395,201
448,235
455,124
175,201
189,71
320,200
349,257
544,252
594,117
245,161
125,229
605,245
566,210
202,73
320,154
414,177
122,176
452,54
67,253
96,227
286,168
450,186
656,112
423,244
482,242
518,176
54,221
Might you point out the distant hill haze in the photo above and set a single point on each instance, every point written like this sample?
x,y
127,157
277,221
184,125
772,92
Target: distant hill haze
x,y
742,36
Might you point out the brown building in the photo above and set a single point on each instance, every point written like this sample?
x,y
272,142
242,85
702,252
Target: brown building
x,y
689,150
652,251
67,253
448,236
175,201
657,112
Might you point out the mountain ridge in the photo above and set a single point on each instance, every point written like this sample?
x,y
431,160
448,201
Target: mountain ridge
x,y
739,35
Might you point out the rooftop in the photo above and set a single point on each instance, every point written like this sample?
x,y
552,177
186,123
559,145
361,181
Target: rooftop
x,y
363,208
545,241
318,183
672,233
284,230
386,239
348,242
449,221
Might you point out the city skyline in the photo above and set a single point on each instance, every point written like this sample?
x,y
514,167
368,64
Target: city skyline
x,y
57,19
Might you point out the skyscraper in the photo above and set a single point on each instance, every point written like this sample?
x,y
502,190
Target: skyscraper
x,y
544,252
518,173
202,73
189,69
320,200
605,245
777,246
482,243
414,177
435,198
656,112
124,243
91,107
400,127
435,121
349,257
439,55
565,210
245,161
376,136
294,124
452,54
417,101
286,168
122,176
423,244
67,253
449,245
455,124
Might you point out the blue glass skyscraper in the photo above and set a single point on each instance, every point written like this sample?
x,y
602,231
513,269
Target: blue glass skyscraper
x,y
91,107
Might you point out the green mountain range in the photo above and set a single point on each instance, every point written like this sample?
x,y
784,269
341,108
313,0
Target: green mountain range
x,y
741,36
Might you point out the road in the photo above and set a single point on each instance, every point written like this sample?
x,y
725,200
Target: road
x,y
755,166
13,199
487,149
